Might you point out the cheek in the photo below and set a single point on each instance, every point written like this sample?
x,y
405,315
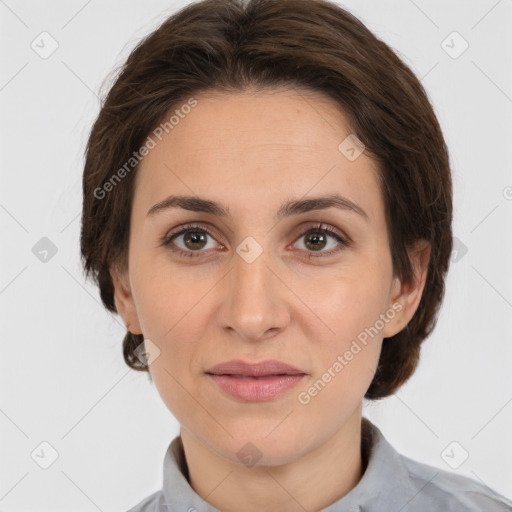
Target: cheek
x,y
174,371
170,385
347,307
343,373
349,337
164,296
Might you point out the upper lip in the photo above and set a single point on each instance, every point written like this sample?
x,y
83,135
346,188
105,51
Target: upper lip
x,y
239,367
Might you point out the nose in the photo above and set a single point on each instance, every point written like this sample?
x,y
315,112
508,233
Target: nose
x,y
254,306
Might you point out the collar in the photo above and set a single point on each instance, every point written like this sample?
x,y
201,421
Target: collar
x,y
385,481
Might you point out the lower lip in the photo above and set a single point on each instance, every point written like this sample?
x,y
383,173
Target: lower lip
x,y
255,390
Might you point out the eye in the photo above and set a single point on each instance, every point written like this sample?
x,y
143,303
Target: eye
x,y
190,240
317,238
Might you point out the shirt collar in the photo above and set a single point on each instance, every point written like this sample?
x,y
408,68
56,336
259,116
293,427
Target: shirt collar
x,y
385,482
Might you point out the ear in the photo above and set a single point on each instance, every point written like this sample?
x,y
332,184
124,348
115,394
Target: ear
x,y
405,298
123,300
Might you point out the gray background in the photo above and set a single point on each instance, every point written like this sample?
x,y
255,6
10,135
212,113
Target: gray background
x,y
63,379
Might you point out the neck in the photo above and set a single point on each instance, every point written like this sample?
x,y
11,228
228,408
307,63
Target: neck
x,y
311,481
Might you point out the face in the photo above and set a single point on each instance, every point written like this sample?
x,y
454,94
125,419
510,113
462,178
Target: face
x,y
300,288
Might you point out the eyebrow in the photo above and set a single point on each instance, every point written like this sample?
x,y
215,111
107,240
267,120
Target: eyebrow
x,y
294,207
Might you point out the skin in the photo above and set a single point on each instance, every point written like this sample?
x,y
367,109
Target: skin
x,y
252,151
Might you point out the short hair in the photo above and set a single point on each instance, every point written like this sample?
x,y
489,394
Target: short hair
x,y
233,45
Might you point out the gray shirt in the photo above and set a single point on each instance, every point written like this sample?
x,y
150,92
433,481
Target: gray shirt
x,y
391,483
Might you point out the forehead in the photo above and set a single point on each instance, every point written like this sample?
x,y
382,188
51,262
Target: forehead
x,y
257,146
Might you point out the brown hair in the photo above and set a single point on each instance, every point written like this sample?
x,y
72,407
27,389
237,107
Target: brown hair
x,y
233,45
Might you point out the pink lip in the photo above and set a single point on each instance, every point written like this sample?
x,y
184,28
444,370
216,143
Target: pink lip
x,y
262,369
256,389
255,382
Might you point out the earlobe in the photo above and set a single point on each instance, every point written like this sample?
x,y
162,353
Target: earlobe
x,y
405,297
124,302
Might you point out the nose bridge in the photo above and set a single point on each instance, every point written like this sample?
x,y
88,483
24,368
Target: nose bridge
x,y
251,272
255,305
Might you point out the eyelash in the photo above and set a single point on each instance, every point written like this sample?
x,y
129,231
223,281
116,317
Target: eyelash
x,y
318,228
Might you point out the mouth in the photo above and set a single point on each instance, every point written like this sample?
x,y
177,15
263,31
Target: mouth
x,y
252,377
255,382
269,368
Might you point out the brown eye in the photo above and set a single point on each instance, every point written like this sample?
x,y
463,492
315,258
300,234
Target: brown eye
x,y
194,240
190,241
316,239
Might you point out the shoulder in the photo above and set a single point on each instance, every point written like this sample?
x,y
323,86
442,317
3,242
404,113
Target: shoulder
x,y
152,503
401,483
434,487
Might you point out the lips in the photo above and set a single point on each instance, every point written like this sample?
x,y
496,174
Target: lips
x,y
255,382
261,370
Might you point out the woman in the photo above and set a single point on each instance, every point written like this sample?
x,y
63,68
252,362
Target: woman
x,y
268,206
